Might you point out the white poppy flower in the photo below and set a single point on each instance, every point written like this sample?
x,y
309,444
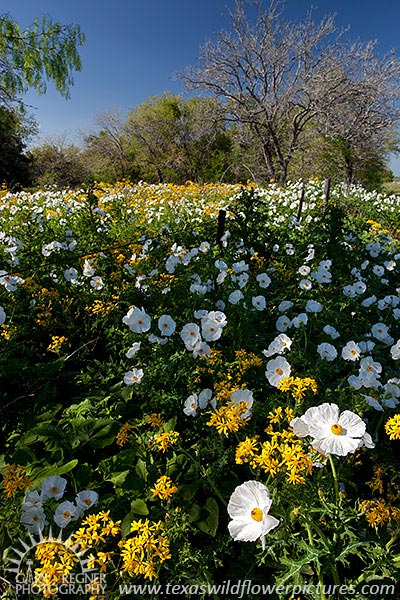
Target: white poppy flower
x,y
97,283
283,323
327,351
259,302
71,275
395,350
277,369
65,513
137,320
332,433
301,319
285,305
190,335
201,349
86,499
351,351
263,280
281,343
248,508
245,396
166,325
313,306
133,350
88,269
53,487
34,519
133,376
235,297
329,330
205,399
31,499
210,330
190,406
2,315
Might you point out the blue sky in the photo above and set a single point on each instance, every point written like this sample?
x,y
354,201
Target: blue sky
x,y
134,47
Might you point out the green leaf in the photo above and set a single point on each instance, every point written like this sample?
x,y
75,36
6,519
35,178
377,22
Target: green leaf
x,y
139,507
118,478
127,393
126,523
39,474
141,469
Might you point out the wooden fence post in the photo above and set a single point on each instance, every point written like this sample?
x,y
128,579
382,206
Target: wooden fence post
x,y
221,226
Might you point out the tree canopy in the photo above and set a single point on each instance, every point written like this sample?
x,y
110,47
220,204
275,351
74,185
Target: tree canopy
x,y
282,80
30,57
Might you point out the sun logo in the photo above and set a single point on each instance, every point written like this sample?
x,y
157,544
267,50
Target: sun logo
x,y
52,565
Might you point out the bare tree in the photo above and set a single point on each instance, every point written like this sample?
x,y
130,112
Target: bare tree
x,y
362,125
279,78
106,149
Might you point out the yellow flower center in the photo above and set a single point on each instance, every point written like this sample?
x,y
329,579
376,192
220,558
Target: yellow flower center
x,y
257,514
54,489
336,429
66,514
278,371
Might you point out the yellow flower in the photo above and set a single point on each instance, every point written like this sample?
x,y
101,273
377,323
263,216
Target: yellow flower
x,y
246,450
123,435
298,386
165,440
392,427
145,550
229,417
154,420
164,488
378,512
56,342
15,478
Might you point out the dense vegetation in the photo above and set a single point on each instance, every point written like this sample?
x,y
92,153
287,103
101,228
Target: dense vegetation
x,y
148,370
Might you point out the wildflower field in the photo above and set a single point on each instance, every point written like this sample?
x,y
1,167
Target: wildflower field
x,y
199,387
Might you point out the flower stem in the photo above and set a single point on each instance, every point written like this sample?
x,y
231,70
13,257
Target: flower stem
x,y
335,479
317,568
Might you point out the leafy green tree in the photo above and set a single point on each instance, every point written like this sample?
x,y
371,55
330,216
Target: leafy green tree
x,y
55,162
44,51
14,164
177,140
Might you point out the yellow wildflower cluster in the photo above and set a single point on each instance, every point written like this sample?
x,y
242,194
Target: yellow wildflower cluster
x,y
164,440
123,435
376,228
96,529
229,417
99,307
15,478
101,560
165,280
283,452
392,427
376,483
164,488
378,512
298,387
155,420
6,331
56,342
57,559
228,379
145,550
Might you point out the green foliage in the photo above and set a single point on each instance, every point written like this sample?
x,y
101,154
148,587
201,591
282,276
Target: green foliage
x,y
14,165
68,408
44,51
